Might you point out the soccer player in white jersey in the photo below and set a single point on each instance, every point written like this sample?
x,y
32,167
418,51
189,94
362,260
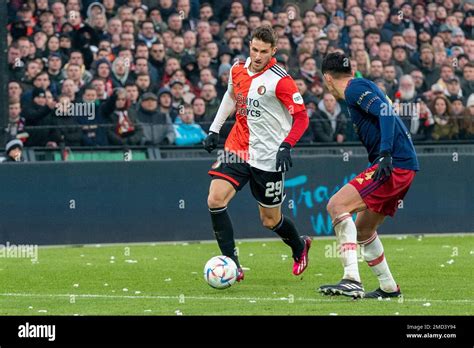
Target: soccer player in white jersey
x,y
270,119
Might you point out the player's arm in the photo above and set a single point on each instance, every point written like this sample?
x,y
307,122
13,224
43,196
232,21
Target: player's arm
x,y
225,110
373,105
288,94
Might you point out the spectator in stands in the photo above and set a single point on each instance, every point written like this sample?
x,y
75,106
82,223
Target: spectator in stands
x,y
147,33
209,94
467,84
390,78
14,90
165,107
453,88
127,130
427,65
405,103
103,70
188,132
376,69
329,124
177,94
426,120
189,90
16,66
39,113
32,69
457,107
199,111
55,68
157,126
93,131
223,79
16,124
66,115
400,58
14,151
120,72
467,121
69,89
419,81
99,85
41,80
133,94
445,126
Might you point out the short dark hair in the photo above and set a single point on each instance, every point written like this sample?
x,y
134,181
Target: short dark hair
x,y
266,34
89,87
372,31
336,64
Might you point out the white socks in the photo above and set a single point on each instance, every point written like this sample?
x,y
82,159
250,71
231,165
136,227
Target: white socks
x,y
346,233
372,250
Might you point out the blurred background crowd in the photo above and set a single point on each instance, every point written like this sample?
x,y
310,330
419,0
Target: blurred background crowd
x,y
142,72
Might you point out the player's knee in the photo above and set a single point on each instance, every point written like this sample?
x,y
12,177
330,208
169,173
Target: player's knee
x,y
216,200
268,222
334,208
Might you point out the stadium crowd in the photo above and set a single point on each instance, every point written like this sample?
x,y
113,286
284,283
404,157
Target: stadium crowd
x,y
139,72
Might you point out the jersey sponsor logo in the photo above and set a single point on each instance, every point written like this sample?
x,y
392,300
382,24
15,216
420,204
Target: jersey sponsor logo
x,y
297,98
261,90
248,106
363,95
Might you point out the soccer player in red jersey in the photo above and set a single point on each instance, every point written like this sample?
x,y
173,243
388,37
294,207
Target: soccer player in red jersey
x,y
270,119
377,191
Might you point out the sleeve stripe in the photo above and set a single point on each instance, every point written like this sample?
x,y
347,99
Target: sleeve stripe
x,y
279,68
277,72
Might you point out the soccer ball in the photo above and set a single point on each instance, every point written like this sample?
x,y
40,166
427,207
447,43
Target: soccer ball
x,y
220,272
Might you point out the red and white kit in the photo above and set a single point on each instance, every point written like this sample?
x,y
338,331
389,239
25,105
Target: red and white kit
x,y
265,105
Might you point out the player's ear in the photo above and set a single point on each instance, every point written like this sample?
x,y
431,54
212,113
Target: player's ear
x,y
274,50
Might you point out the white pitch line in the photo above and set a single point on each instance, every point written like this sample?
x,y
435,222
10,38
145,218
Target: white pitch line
x,y
209,298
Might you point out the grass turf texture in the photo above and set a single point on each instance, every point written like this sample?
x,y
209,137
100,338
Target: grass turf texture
x,y
167,279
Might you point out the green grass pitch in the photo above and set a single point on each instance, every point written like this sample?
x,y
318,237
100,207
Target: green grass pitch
x,y
434,272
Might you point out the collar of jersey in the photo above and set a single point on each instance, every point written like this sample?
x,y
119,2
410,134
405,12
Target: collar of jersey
x,y
271,63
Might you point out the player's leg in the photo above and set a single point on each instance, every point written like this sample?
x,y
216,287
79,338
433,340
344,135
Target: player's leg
x,y
268,190
341,206
228,178
273,219
220,194
367,223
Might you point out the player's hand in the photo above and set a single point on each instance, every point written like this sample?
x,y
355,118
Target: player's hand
x,y
283,159
384,168
211,141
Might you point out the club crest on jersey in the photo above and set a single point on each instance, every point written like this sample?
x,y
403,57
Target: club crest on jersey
x,y
261,90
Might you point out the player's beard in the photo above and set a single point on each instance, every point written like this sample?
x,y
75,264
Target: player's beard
x,y
257,68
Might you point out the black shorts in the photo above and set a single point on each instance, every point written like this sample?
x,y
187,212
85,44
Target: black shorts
x,y
266,187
